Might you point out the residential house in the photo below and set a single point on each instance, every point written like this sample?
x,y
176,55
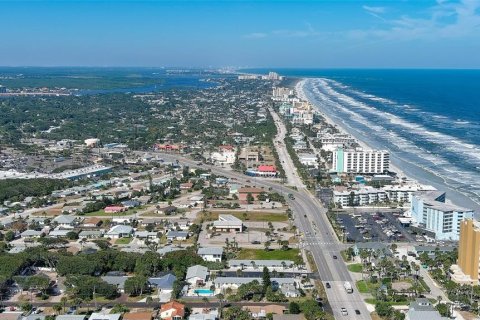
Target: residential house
x,y
130,204
290,291
196,275
58,233
71,317
177,235
172,311
11,315
118,281
91,234
422,309
289,317
260,312
163,284
30,234
119,231
102,316
167,210
145,235
138,316
92,222
212,254
186,186
65,221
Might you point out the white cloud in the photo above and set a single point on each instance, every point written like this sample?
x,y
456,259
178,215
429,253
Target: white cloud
x,y
255,35
376,10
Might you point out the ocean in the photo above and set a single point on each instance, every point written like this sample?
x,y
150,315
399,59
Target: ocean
x,y
429,120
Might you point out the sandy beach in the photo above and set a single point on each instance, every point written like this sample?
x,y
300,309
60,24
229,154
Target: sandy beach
x,y
410,171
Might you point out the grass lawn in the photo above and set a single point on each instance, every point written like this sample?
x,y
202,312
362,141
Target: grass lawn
x,y
261,254
355,267
123,241
311,262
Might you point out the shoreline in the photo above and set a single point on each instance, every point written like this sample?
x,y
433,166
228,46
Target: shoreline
x,y
412,172
301,94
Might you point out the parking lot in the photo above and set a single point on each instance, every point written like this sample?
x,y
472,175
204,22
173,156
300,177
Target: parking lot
x,y
374,226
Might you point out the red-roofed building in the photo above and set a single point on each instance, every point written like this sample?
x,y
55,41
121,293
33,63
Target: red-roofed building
x,y
226,148
172,311
264,168
243,193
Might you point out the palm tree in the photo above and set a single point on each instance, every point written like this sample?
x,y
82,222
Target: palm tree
x,y
64,300
57,308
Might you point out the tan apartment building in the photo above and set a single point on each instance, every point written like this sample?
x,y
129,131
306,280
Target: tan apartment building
x,y
469,248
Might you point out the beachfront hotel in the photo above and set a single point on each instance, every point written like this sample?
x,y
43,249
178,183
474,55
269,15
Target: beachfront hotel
x,y
360,161
439,219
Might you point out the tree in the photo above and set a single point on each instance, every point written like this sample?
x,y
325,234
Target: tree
x,y
57,308
236,313
250,198
136,285
119,308
9,236
311,310
72,235
294,308
267,245
25,306
384,309
266,282
64,301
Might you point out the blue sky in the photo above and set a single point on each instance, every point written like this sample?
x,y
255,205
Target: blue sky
x,y
321,34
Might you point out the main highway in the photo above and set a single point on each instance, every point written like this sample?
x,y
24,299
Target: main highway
x,y
311,219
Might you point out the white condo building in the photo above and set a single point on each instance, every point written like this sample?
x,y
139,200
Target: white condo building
x,y
360,161
430,212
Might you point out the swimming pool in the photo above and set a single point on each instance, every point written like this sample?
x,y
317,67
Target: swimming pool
x,y
203,292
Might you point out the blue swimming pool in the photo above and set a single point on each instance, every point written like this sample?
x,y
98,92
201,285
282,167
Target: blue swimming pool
x,y
203,292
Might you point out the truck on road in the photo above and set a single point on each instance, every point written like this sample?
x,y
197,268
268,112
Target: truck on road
x,y
348,287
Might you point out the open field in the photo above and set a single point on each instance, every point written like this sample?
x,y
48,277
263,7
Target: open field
x,y
247,215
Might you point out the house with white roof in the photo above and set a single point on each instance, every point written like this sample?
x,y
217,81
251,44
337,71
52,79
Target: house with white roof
x,y
212,254
119,231
102,316
65,221
196,275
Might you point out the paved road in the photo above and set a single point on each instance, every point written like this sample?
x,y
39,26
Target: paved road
x,y
311,220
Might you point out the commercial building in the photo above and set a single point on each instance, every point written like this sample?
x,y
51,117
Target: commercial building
x,y
360,161
281,93
469,249
228,223
430,212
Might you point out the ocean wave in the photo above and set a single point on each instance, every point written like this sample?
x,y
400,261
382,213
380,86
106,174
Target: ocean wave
x,y
412,150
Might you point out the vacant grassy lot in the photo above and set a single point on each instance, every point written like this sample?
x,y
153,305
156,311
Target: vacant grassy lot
x,y
261,254
362,287
355,267
247,215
